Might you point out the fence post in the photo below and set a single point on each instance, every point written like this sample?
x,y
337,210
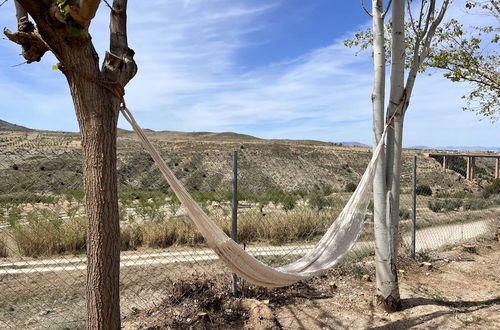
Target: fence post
x,y
234,214
414,209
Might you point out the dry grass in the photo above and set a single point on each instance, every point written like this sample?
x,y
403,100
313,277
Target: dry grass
x,y
300,224
3,248
43,231
46,233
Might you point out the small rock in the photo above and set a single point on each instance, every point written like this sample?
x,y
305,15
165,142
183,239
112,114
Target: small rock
x,y
366,278
266,301
469,248
45,312
426,264
332,285
402,271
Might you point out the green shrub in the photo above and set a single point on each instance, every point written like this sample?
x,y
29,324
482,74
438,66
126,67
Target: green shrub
x,y
423,190
456,194
317,201
289,202
11,214
458,164
477,203
327,190
26,198
493,188
151,208
75,195
350,187
3,248
404,213
445,205
211,196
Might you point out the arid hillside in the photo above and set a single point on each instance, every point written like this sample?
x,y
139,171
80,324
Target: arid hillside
x,y
50,161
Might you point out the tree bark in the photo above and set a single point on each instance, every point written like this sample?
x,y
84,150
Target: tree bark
x,y
97,117
97,94
97,109
386,186
389,297
384,275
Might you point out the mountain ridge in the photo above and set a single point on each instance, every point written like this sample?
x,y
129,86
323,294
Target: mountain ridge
x,y
6,126
233,136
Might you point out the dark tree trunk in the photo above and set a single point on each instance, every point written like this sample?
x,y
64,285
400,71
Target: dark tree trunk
x,y
97,94
103,235
97,108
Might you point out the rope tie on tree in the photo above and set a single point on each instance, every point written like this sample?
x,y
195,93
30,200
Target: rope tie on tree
x,y
117,89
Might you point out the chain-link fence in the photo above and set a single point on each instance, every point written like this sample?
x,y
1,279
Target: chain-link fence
x,y
288,195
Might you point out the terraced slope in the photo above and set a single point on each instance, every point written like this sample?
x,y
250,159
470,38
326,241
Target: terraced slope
x,y
50,161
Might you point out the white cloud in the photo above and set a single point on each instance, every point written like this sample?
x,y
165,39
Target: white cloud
x,y
190,79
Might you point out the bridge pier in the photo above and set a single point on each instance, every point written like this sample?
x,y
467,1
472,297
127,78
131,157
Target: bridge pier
x,y
470,168
471,160
497,168
445,162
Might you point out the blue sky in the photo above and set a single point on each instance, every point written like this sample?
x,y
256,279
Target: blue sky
x,y
273,69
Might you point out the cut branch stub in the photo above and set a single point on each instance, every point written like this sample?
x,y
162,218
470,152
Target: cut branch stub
x,y
119,69
31,42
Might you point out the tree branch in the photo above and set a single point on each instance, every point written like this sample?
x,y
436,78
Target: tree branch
x,y
119,64
387,9
32,44
108,5
83,11
428,32
364,8
23,22
118,43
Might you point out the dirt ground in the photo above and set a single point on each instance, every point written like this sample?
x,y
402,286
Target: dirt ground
x,y
454,289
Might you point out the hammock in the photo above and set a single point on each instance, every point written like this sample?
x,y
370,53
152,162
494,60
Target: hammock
x,y
334,245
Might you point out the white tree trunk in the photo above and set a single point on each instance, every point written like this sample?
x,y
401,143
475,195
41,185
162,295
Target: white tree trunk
x,y
388,292
384,277
386,185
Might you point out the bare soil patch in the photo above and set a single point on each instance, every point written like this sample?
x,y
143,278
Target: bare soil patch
x,y
457,289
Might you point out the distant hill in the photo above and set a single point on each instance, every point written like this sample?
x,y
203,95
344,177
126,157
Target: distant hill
x,y
6,126
354,144
201,136
231,136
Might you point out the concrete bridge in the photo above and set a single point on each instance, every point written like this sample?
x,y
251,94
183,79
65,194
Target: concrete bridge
x,y
471,158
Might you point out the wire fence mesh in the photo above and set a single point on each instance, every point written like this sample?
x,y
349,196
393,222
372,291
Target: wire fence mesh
x,y
288,195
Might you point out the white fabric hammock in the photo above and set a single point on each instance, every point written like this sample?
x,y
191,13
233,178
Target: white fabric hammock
x,y
334,245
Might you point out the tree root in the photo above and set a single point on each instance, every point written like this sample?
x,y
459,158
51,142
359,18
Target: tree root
x,y
260,315
389,304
